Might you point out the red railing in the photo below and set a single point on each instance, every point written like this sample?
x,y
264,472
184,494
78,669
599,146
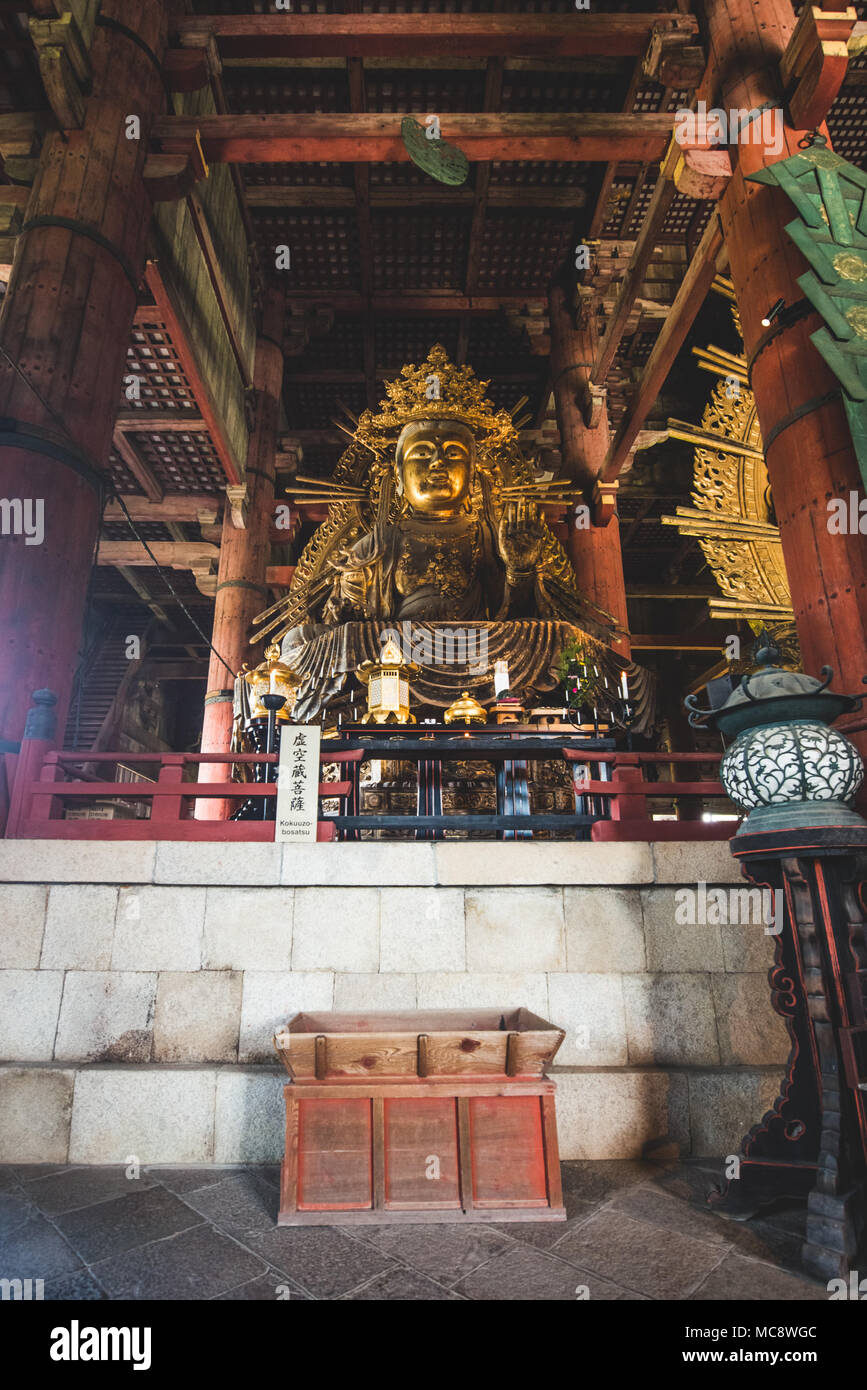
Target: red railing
x,y
40,789
43,780
629,793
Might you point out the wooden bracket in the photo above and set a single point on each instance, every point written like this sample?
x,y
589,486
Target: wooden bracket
x,y
201,39
64,65
814,65
172,175
204,572
190,69
13,201
593,404
21,136
699,169
603,502
673,59
279,576
238,503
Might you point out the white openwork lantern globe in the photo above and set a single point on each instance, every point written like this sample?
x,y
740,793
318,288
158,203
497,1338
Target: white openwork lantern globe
x,y
786,766
799,761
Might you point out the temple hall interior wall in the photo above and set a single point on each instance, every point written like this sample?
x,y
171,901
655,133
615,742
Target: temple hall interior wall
x,y
141,983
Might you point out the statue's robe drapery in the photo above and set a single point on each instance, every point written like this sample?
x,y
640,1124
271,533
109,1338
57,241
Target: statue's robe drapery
x,y
325,656
527,623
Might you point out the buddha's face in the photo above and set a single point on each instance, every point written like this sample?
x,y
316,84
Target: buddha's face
x,y
435,466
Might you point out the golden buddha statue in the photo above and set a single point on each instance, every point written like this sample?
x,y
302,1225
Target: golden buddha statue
x,y
434,520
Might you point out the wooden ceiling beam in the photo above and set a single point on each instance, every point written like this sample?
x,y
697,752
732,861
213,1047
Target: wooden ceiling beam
x,y
651,226
493,102
170,314
288,138
440,196
137,584
178,506
462,35
159,422
361,180
419,303
137,467
600,215
690,297
177,555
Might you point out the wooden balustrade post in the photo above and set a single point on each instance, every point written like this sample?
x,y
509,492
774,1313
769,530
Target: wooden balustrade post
x,y
48,807
36,745
626,805
170,808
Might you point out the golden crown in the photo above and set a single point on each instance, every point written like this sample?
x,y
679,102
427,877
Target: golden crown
x,y
436,389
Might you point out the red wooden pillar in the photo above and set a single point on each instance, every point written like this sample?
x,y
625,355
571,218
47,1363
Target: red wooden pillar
x,y
808,446
64,331
595,551
241,589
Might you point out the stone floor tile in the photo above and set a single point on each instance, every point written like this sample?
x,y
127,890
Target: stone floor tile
x,y
8,1176
77,1287
521,1274
640,1256
322,1260
445,1252
649,1204
737,1277
544,1234
182,1180
26,1171
242,1202
82,1187
195,1264
595,1180
33,1249
109,1228
270,1287
773,1235
15,1209
690,1181
402,1285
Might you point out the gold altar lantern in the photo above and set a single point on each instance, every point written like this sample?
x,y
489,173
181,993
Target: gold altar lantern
x,y
466,710
387,682
272,676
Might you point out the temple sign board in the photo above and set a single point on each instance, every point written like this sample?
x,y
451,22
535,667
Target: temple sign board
x,y
298,783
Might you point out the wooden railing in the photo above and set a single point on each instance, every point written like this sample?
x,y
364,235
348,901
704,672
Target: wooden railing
x,y
44,781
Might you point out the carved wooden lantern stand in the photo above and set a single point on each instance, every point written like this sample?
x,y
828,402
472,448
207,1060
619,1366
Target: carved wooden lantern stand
x,y
422,1116
794,775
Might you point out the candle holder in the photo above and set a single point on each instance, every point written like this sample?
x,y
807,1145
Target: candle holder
x,y
273,703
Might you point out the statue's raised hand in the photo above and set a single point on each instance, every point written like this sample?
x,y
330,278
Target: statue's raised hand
x,y
520,537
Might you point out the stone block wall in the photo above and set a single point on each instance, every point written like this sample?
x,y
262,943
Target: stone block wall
x,y
140,986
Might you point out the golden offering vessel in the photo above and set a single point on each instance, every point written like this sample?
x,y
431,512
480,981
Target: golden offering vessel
x,y
466,710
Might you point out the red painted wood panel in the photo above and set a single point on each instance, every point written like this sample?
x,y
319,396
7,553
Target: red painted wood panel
x,y
334,1155
421,1153
508,1152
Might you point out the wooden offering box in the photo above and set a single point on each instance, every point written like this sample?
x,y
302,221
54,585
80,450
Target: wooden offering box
x,y
429,1116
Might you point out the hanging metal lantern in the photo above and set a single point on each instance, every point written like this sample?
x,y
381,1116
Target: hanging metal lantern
x,y
786,766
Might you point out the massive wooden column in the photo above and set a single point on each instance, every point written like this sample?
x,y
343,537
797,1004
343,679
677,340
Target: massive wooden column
x,y
595,552
808,446
241,589
64,332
